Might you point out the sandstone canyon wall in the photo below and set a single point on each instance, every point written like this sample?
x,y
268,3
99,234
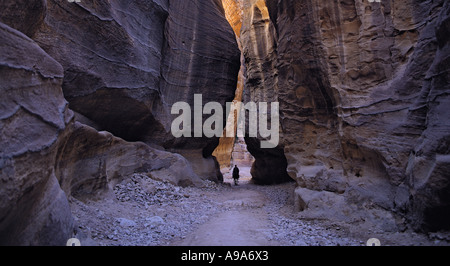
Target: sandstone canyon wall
x,y
86,92
363,91
33,113
259,49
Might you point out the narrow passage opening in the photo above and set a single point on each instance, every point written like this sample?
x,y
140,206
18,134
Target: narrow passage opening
x,y
269,166
232,150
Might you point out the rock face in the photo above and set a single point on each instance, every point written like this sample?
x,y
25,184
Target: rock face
x,y
201,58
33,114
14,14
130,61
224,150
259,48
91,162
46,155
429,163
119,66
111,54
362,89
87,89
136,58
234,14
240,155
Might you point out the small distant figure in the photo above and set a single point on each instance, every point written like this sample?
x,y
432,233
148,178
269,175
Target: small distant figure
x,y
236,175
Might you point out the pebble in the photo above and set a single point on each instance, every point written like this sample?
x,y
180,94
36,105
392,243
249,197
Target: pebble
x,y
126,222
153,213
295,232
153,222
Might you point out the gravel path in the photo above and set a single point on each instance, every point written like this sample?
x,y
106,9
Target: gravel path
x,y
144,212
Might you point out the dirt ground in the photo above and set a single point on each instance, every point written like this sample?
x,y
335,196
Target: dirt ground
x,y
144,212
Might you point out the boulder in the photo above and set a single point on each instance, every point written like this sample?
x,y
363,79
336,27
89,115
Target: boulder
x,y
89,162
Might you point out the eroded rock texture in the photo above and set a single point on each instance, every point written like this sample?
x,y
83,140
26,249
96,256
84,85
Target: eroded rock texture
x,y
428,166
223,152
200,56
89,162
259,48
128,62
33,114
46,155
363,92
119,65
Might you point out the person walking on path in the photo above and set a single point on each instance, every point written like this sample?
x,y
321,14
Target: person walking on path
x,y
236,175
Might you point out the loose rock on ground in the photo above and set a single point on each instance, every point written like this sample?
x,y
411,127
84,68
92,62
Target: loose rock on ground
x,y
141,211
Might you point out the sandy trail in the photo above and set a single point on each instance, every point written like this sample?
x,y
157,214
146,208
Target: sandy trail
x,y
244,222
144,212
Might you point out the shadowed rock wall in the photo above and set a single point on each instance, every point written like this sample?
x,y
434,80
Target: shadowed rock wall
x,y
362,89
119,66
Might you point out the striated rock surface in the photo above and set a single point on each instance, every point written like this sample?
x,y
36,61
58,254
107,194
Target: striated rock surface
x,y
111,54
120,65
200,56
259,48
362,89
234,13
46,156
429,162
240,155
223,152
127,62
33,115
91,162
24,16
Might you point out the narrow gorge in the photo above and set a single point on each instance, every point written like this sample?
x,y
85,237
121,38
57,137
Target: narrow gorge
x,y
87,90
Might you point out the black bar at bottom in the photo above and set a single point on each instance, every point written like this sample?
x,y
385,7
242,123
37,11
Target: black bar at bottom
x,y
169,256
